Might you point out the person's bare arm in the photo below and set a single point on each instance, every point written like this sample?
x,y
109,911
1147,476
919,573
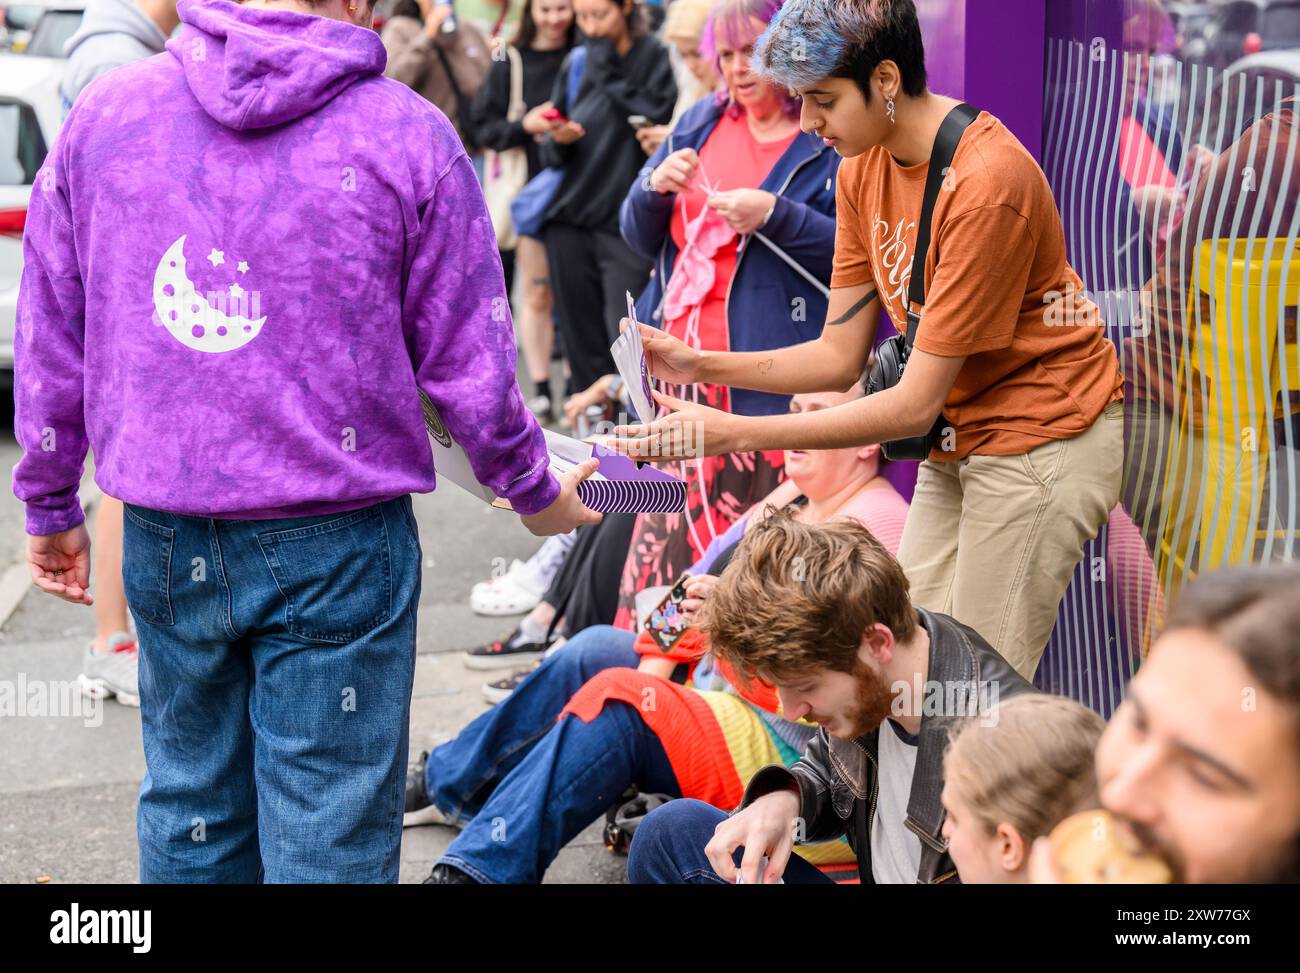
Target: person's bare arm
x,y
833,362
657,665
908,409
691,430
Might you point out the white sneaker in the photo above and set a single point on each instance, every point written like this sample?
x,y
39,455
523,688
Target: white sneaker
x,y
112,673
540,406
514,593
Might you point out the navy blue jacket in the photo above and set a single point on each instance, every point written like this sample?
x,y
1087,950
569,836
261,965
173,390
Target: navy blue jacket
x,y
769,305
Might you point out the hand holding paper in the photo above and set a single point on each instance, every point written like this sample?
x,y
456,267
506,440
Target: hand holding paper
x,y
629,357
666,358
688,431
592,477
616,485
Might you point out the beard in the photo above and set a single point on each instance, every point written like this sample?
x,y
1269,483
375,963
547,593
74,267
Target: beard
x,y
1274,868
1268,866
874,701
1287,871
1151,842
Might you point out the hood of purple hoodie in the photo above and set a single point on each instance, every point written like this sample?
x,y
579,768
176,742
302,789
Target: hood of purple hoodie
x,y
254,68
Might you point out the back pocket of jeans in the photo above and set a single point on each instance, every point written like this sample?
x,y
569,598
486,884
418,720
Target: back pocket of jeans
x,y
147,567
335,576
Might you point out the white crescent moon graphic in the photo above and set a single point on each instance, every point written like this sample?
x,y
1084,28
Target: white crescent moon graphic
x,y
190,317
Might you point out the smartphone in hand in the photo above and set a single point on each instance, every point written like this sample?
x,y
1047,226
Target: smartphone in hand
x,y
448,25
666,624
554,115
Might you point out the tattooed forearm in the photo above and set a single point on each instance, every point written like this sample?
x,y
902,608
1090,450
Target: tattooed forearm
x,y
852,312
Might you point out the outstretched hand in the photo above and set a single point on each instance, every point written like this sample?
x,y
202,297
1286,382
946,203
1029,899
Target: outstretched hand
x,y
667,358
687,431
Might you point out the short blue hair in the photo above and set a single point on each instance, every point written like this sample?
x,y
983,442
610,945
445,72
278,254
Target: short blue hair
x,y
810,40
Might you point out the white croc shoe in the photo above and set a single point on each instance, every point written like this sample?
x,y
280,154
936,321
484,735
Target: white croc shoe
x,y
514,593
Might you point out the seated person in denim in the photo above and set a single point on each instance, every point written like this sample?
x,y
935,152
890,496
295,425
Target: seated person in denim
x,y
822,612
516,772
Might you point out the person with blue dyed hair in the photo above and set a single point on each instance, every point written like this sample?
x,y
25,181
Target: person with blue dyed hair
x,y
1010,382
737,209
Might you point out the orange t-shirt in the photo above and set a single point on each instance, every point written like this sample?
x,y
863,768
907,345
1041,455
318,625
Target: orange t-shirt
x,y
998,289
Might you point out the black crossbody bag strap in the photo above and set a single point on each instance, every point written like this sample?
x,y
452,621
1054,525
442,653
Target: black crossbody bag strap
x,y
945,147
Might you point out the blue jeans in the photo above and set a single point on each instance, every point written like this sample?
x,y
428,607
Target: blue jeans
x,y
541,782
276,662
668,849
461,774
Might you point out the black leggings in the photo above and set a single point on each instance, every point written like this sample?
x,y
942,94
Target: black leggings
x,y
585,589
591,271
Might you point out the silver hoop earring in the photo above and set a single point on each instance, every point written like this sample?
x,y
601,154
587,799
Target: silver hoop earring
x,y
889,110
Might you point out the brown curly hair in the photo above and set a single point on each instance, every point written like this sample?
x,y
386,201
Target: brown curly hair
x,y
798,597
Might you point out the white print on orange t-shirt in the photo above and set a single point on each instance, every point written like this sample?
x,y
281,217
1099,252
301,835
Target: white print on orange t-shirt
x,y
896,263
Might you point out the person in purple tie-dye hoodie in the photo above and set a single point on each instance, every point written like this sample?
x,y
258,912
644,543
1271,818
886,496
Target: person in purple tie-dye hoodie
x,y
245,258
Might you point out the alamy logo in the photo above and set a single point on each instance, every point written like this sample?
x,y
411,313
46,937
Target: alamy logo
x,y
74,927
39,698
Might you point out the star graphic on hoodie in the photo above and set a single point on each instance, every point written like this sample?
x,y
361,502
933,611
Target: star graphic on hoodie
x,y
242,266
217,257
236,290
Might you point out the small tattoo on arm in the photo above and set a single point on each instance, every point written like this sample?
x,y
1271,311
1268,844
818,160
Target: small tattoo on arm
x,y
852,312
765,366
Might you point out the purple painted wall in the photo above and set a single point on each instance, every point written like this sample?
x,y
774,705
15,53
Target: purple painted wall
x,y
943,28
1082,20
1004,64
990,53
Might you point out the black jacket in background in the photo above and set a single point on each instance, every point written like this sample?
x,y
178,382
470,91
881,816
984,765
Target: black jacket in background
x,y
836,779
492,103
602,164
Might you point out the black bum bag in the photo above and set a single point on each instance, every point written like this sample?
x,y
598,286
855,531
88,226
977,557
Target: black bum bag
x,y
891,357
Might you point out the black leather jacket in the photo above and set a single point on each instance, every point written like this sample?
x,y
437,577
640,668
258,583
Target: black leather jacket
x,y
837,780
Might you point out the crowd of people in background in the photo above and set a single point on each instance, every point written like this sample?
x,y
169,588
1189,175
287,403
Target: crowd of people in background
x,y
753,172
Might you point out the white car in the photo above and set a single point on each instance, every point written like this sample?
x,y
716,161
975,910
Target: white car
x,y
29,120
39,27
30,116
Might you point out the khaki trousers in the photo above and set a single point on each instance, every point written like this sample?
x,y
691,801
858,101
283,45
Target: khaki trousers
x,y
994,540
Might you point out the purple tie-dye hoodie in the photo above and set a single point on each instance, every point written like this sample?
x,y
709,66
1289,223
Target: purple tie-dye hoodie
x,y
241,257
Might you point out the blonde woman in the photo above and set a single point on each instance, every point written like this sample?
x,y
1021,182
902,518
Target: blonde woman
x,y
683,31
1012,775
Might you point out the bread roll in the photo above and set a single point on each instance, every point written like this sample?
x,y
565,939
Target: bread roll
x,y
1088,849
